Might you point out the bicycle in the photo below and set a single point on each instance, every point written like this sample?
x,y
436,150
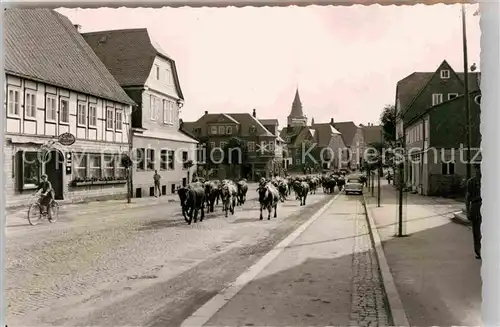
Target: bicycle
x,y
36,212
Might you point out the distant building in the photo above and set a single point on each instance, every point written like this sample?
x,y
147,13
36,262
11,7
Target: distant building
x,y
55,84
262,148
149,76
431,122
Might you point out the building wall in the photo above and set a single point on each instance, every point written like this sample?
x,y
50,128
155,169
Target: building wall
x,y
143,178
31,126
42,124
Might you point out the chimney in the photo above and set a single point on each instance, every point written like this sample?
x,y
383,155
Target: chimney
x,y
331,121
361,125
78,27
254,114
312,121
206,112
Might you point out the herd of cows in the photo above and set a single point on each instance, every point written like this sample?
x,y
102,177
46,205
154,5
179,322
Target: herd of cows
x,y
200,194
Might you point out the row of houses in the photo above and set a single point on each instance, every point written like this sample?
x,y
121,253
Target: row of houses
x,y
432,127
115,92
269,150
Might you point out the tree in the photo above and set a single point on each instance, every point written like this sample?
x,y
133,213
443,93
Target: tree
x,y
388,122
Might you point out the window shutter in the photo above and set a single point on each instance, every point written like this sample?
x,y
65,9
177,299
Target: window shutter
x,y
19,170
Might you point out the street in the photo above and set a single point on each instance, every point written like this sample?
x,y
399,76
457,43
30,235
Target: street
x,y
138,266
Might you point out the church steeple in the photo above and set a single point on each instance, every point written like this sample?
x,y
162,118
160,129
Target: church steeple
x,y
297,116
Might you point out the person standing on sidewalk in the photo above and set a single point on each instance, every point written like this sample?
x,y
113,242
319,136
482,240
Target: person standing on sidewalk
x,y
156,178
474,201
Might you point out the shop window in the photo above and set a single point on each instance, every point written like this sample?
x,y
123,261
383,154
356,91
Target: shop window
x,y
80,165
95,165
108,166
29,169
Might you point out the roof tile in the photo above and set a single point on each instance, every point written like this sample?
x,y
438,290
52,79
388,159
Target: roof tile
x,y
43,45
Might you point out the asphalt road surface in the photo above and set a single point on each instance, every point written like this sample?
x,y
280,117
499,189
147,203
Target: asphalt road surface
x,y
112,265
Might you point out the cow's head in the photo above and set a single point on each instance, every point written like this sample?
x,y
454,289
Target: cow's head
x,y
263,191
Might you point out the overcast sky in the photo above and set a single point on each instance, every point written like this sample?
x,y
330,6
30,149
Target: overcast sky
x,y
346,61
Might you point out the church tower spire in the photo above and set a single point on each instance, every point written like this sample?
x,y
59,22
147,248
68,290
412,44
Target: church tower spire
x,y
297,117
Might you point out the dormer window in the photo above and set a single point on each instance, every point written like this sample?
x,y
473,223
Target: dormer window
x,y
221,130
452,95
229,130
213,130
445,74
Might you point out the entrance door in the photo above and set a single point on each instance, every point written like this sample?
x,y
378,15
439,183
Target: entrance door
x,y
54,169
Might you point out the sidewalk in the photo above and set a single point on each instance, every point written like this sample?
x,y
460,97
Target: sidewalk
x,y
434,269
325,276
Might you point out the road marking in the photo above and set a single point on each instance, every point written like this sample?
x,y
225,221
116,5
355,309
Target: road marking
x,y
209,309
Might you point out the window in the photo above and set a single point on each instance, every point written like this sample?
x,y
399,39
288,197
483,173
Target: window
x,y
163,160
80,165
150,159
109,118
221,130
477,99
152,109
212,145
92,115
251,146
95,165
184,157
82,114
14,102
437,98
50,107
108,166
166,114
171,159
30,104
229,130
140,158
427,128
452,95
445,74
31,169
223,144
157,72
120,170
119,120
213,130
172,112
168,77
64,111
448,168
271,145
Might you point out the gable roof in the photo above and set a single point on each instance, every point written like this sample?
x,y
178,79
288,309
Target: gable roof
x,y
325,133
269,122
372,134
412,85
43,45
245,121
129,55
348,130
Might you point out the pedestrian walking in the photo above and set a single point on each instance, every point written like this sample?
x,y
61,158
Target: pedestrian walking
x,y
473,204
156,178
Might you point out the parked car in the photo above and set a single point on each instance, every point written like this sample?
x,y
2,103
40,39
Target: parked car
x,y
353,185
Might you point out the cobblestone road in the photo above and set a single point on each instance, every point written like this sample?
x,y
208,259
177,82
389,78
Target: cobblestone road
x,y
138,265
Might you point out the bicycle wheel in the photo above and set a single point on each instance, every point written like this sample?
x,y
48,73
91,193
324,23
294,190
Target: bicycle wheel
x,y
34,214
55,212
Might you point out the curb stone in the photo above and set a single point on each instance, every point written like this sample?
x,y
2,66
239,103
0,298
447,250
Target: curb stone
x,y
396,310
460,218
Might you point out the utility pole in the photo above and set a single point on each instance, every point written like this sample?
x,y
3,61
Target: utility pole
x,y
400,211
372,173
466,93
130,166
380,170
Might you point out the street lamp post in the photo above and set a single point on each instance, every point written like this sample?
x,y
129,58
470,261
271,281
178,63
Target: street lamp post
x,y
466,93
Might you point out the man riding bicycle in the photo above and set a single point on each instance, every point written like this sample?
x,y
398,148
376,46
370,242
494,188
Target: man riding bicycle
x,y
46,196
